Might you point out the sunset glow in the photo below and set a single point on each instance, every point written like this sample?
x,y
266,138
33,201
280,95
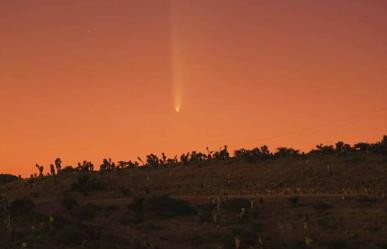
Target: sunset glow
x,y
105,79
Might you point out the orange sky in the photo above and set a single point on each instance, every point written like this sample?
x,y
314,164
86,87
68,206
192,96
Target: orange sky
x,y
92,79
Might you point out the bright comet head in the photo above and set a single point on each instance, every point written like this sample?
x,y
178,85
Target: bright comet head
x,y
177,108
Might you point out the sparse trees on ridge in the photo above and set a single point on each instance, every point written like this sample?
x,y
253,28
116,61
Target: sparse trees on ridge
x,y
196,158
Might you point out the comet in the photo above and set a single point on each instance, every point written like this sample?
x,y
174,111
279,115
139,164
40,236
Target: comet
x,y
176,56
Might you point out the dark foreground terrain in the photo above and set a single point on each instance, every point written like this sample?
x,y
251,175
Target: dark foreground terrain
x,y
319,200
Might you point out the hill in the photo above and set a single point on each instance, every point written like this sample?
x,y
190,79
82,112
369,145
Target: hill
x,y
323,199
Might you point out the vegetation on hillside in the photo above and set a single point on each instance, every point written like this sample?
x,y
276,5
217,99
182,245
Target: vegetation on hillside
x,y
331,197
193,158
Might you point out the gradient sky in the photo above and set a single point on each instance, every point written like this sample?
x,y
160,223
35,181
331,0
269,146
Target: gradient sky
x,y
88,79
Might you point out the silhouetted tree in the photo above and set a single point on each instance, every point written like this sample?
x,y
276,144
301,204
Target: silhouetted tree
x,y
58,165
253,155
209,153
52,169
40,169
106,165
184,158
362,147
265,152
141,161
132,165
223,154
383,145
380,147
152,160
342,147
85,166
324,149
286,152
122,164
163,159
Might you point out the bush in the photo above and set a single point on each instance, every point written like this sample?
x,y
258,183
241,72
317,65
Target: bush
x,y
337,244
131,218
135,214
247,233
109,210
22,207
69,203
204,213
137,204
367,200
168,207
379,246
86,182
294,201
59,222
69,235
327,223
163,206
4,207
235,205
322,208
35,194
125,192
87,212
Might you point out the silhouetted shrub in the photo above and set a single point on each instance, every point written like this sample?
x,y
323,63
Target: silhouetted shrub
x,y
235,205
286,152
323,149
86,182
343,148
380,147
20,207
362,147
253,155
